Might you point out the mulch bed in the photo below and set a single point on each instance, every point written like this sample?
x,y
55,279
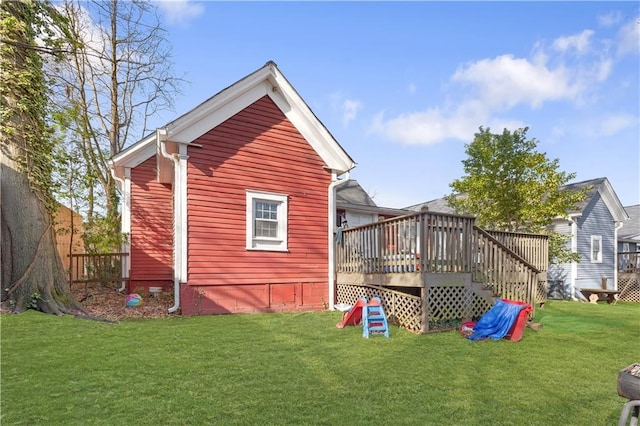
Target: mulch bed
x,y
109,305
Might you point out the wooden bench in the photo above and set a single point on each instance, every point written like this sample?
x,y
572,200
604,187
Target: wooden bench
x,y
593,294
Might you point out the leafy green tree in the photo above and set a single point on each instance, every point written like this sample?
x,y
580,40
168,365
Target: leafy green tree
x,y
510,186
32,272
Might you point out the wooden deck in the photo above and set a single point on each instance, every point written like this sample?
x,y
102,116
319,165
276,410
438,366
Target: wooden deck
x,y
454,267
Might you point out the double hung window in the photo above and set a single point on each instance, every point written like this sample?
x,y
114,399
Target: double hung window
x,y
596,249
266,221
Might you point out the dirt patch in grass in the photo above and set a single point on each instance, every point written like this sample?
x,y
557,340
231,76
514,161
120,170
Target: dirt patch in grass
x,y
108,304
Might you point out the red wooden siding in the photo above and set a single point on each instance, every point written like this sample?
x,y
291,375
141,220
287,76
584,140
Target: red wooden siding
x,y
151,229
257,149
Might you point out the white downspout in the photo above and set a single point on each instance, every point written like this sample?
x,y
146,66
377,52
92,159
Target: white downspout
x,y
574,248
161,135
125,220
615,254
182,170
332,225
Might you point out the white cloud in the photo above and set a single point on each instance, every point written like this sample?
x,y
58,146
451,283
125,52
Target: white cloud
x,y
558,132
505,82
609,19
93,36
180,12
570,69
629,38
350,110
425,127
347,108
603,69
435,125
613,124
578,42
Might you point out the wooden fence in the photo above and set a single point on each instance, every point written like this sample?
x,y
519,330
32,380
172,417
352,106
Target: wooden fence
x,y
104,269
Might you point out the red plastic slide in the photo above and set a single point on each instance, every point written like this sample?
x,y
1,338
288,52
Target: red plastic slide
x,y
353,316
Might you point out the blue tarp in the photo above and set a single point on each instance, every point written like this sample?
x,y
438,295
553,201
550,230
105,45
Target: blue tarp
x,y
497,321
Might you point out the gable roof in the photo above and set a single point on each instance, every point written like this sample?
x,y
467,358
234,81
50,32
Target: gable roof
x,y
439,205
351,192
266,81
351,196
598,186
630,230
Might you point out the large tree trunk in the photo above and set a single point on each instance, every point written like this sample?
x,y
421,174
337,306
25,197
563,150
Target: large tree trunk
x,y
32,272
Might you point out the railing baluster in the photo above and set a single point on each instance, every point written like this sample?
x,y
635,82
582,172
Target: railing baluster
x,y
97,268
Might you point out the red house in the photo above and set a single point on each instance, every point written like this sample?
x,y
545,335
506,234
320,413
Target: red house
x,y
233,204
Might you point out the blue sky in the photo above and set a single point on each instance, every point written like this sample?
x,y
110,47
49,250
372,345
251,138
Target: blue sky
x,y
403,86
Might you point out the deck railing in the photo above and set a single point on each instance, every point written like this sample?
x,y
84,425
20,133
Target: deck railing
x,y
531,247
420,242
504,272
629,261
507,264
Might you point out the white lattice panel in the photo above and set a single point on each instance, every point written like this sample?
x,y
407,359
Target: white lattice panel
x,y
448,305
629,288
401,309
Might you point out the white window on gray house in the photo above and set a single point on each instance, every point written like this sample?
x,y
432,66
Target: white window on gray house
x,y
266,221
596,249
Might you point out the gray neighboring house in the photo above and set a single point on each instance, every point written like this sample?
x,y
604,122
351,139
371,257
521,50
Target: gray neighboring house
x,y
593,227
355,207
629,241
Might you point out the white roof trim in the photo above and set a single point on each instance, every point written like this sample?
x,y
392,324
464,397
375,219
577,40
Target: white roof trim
x,y
188,128
134,155
612,202
268,81
312,129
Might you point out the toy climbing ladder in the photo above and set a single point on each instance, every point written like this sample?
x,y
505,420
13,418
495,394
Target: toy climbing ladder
x,y
374,321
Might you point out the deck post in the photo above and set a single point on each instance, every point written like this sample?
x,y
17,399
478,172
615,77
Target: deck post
x,y
424,294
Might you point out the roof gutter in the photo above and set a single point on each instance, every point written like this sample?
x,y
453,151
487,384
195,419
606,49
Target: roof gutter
x,y
331,229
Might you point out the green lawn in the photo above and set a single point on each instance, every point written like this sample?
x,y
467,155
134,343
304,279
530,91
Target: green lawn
x,y
300,369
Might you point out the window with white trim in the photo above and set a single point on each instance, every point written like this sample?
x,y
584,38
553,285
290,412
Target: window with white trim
x,y
266,221
596,249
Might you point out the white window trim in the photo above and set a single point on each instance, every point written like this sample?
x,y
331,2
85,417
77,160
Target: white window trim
x,y
262,243
599,258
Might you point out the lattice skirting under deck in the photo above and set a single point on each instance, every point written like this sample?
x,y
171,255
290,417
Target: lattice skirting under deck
x,y
447,306
629,288
402,309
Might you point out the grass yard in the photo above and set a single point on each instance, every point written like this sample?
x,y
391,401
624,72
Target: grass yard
x,y
299,369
